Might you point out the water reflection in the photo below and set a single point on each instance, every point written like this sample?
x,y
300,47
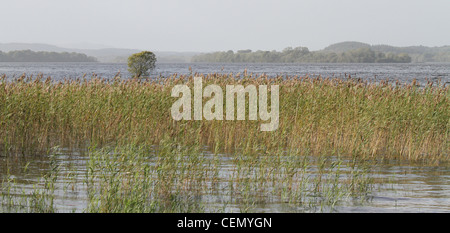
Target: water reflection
x,y
397,187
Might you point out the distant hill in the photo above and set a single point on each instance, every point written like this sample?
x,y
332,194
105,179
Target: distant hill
x,y
348,51
417,53
119,55
7,47
343,52
346,46
31,56
102,55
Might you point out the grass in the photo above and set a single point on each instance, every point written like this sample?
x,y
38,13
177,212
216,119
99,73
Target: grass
x,y
319,116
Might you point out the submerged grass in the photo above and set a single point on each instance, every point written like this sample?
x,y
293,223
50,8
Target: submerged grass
x,y
170,177
36,199
320,116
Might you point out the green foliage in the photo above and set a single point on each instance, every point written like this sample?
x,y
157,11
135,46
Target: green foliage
x,y
31,56
344,52
139,64
417,53
324,116
303,55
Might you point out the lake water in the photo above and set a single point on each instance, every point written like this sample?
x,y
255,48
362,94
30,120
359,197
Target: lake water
x,y
402,72
397,187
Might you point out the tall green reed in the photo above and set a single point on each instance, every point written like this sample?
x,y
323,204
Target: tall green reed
x,y
317,115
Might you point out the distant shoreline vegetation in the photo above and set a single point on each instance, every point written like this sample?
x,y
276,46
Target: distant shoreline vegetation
x,y
42,56
344,52
303,55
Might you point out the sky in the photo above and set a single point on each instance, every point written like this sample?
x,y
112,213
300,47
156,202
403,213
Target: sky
x,y
212,25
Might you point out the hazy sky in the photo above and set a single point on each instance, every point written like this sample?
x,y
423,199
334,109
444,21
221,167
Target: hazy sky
x,y
212,25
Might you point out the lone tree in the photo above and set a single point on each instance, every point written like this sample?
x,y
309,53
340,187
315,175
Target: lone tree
x,y
140,64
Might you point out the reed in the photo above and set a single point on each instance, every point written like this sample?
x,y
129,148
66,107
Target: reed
x,y
318,116
170,177
141,160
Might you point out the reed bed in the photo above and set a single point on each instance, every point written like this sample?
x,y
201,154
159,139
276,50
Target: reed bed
x,y
319,116
141,160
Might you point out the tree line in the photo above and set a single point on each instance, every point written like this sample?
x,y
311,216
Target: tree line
x,y
41,56
417,53
303,55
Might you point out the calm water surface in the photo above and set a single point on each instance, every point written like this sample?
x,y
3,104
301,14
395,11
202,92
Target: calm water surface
x,y
402,72
397,187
